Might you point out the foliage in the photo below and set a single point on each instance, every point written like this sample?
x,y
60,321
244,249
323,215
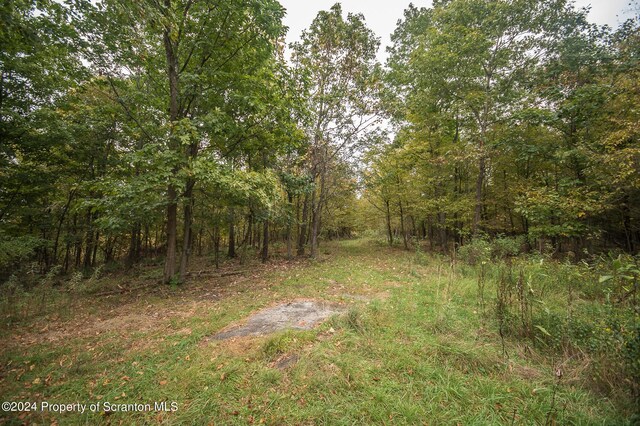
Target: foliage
x,y
506,124
15,250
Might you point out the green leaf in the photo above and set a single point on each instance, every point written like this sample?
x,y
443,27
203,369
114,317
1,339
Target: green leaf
x,y
543,330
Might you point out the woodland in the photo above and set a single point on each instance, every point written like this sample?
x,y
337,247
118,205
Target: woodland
x,y
147,144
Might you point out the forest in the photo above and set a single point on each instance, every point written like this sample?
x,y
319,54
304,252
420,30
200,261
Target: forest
x,y
148,147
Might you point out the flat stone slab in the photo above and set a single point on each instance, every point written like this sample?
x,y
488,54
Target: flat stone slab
x,y
301,314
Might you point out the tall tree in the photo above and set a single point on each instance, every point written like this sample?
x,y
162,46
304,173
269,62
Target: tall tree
x,y
208,48
338,56
470,64
38,64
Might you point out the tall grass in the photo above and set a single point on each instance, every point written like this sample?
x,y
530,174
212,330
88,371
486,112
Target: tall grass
x,y
584,313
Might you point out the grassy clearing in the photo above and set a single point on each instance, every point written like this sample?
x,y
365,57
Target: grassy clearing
x,y
415,347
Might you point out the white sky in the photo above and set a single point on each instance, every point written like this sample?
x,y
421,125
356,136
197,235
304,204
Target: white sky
x,y
382,15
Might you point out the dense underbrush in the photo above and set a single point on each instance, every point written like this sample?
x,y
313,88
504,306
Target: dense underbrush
x,y
583,312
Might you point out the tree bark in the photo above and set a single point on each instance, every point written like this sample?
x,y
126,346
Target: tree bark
x,y
390,233
89,241
442,230
404,233
186,240
172,235
479,193
59,227
174,112
315,220
289,240
302,237
265,241
216,244
232,235
317,207
95,249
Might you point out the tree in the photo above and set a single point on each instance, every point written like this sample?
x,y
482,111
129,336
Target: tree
x,y
208,49
517,88
38,64
338,56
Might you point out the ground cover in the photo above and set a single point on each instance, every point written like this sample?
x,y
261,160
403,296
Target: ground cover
x,y
410,345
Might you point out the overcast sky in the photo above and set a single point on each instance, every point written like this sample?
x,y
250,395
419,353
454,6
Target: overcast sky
x,y
382,15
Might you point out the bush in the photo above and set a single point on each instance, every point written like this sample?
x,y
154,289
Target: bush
x,y
482,249
503,247
475,252
17,249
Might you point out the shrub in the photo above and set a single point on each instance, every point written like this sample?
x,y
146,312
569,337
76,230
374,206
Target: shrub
x,y
475,252
503,247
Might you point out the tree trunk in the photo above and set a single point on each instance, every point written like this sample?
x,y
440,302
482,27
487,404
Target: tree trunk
x,y
133,243
186,240
317,211
479,193
390,233
302,237
66,257
59,227
146,240
232,235
89,243
289,236
442,228
216,245
172,236
265,241
315,220
174,113
95,248
404,233
108,250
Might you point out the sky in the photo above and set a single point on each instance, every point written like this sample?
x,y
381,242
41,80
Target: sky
x,y
381,16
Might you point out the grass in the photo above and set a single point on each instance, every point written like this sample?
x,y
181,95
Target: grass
x,y
413,348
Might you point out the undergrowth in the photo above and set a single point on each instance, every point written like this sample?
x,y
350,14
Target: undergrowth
x,y
504,339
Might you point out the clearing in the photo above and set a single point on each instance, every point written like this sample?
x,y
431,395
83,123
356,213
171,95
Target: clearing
x,y
408,344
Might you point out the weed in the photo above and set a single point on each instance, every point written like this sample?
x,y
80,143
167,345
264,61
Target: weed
x,y
420,352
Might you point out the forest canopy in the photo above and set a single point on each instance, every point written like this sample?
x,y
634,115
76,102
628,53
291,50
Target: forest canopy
x,y
160,129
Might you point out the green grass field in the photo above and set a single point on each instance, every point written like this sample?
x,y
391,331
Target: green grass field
x,y
415,347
